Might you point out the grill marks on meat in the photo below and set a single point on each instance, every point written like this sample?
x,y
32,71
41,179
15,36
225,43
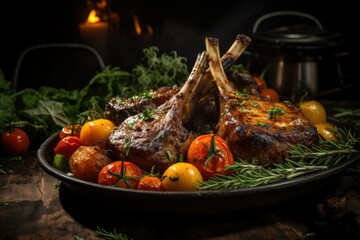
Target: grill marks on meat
x,y
160,138
118,109
253,127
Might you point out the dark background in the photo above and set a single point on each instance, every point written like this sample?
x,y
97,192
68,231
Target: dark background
x,y
178,25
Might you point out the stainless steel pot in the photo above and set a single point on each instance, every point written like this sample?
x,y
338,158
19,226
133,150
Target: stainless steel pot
x,y
299,58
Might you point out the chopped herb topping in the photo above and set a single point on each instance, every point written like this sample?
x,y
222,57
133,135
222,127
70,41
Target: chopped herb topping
x,y
254,104
148,114
260,124
239,103
276,111
127,147
168,155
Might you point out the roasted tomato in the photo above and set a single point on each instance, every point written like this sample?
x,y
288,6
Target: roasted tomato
x,y
87,161
113,174
271,94
96,132
260,82
210,154
181,176
326,130
314,111
14,142
151,183
67,146
70,130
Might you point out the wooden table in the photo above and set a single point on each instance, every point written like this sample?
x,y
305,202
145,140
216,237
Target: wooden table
x,y
34,205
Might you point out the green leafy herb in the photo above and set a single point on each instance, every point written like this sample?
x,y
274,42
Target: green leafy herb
x,y
148,114
46,110
276,111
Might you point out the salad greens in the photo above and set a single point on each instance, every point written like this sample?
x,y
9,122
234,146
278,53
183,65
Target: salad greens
x,y
46,110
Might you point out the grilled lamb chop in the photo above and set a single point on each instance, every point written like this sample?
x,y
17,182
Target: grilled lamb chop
x,y
117,109
158,137
256,128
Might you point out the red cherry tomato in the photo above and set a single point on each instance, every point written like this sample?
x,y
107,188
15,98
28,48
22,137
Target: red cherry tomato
x,y
260,82
210,154
151,183
112,175
67,146
271,94
14,142
70,130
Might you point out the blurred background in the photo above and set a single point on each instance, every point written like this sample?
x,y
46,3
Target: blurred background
x,y
170,25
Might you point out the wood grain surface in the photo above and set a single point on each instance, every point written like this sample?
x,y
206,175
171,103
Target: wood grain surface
x,y
34,205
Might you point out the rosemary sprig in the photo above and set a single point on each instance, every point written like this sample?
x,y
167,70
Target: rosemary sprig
x,y
252,175
100,232
328,153
351,115
301,161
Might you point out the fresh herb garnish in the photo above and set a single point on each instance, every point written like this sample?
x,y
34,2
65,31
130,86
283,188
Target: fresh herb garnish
x,y
300,161
46,110
275,111
101,232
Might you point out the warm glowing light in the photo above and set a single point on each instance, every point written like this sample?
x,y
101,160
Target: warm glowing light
x,y
150,30
137,25
92,18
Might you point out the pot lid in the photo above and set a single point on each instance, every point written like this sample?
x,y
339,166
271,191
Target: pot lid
x,y
297,37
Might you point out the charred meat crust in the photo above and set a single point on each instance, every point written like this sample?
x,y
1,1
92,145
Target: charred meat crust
x,y
160,139
256,128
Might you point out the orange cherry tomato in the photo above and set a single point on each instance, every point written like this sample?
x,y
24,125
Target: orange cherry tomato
x,y
87,161
260,82
151,183
271,94
70,130
210,154
14,142
96,132
112,175
67,146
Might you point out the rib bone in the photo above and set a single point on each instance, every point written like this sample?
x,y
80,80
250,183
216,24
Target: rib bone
x,y
256,128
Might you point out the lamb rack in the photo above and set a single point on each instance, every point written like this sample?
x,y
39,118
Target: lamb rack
x,y
256,128
117,109
157,137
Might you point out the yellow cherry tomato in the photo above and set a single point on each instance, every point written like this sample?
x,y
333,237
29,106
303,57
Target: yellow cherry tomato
x,y
326,130
181,176
96,132
314,111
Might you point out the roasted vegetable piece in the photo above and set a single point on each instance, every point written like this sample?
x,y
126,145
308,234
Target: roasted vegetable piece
x,y
67,146
181,176
87,161
314,111
210,154
120,174
96,132
70,130
151,183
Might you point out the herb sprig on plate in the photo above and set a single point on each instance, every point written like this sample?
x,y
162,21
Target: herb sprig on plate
x,y
301,161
